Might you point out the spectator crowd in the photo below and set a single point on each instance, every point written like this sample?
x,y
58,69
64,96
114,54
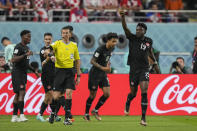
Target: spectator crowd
x,y
93,10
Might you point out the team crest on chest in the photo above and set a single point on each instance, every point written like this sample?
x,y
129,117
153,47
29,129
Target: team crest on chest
x,y
143,46
147,44
42,51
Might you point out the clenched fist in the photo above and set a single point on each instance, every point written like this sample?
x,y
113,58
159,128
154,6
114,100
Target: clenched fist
x,y
121,12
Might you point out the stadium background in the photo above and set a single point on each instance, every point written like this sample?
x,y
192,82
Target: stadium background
x,y
172,40
170,37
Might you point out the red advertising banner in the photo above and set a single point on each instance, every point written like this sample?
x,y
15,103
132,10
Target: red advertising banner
x,y
167,95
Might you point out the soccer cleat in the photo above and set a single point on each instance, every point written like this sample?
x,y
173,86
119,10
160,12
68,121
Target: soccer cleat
x,y
22,118
126,110
51,118
143,123
67,121
95,113
126,113
14,118
71,118
40,118
86,117
58,119
47,119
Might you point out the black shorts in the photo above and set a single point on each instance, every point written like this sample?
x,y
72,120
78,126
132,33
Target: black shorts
x,y
96,79
47,80
18,78
64,79
136,76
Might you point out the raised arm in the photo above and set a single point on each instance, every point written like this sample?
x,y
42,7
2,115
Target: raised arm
x,y
124,25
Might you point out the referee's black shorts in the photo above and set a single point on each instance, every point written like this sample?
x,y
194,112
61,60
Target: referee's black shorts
x,y
64,79
47,80
96,79
18,78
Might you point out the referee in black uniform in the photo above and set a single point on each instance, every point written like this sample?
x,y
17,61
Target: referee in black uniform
x,y
140,47
21,56
98,75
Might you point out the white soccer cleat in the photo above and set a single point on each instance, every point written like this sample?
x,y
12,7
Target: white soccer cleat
x,y
126,113
126,110
95,113
143,123
47,119
40,118
22,118
14,118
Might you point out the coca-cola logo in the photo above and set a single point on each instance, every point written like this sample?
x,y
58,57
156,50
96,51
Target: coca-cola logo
x,y
173,96
33,98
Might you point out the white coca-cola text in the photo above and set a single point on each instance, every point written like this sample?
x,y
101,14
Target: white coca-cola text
x,y
174,93
33,97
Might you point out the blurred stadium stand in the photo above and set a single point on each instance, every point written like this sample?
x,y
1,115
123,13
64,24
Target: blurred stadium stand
x,y
171,40
107,15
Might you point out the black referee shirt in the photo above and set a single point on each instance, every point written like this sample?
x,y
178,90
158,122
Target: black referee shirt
x,y
138,51
49,67
22,65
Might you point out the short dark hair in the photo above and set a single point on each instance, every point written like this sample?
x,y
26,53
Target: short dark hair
x,y
195,38
153,3
180,58
24,32
48,34
142,25
34,64
111,35
4,38
1,56
69,27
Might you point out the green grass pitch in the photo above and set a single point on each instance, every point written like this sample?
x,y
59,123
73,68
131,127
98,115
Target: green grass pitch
x,y
108,123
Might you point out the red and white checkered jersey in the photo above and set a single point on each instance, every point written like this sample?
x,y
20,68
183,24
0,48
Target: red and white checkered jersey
x,y
130,3
22,2
72,3
39,3
111,3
